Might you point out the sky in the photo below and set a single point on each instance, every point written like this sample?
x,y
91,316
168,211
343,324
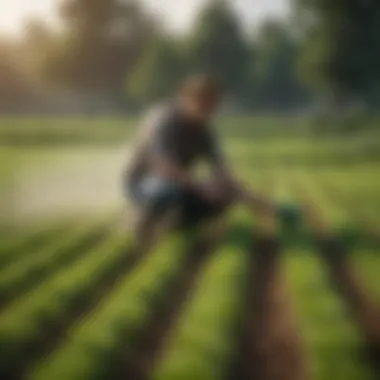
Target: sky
x,y
178,14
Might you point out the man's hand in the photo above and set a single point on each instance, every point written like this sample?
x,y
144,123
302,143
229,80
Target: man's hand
x,y
255,201
216,191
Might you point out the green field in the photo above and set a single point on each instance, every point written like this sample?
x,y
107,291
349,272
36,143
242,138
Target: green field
x,y
77,304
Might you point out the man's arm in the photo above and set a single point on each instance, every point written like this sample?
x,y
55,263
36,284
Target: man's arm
x,y
228,183
241,192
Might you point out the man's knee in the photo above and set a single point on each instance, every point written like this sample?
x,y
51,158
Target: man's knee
x,y
167,196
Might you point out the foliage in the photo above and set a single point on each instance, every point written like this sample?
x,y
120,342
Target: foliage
x,y
276,81
15,85
218,46
342,46
157,72
112,51
100,45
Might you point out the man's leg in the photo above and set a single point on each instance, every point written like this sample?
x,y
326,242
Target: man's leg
x,y
150,227
196,209
143,230
158,211
166,206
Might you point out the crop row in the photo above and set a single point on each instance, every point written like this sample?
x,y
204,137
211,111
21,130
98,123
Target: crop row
x,y
24,322
107,338
205,342
24,243
21,274
332,340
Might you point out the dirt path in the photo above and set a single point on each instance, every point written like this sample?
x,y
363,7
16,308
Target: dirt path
x,y
347,283
270,348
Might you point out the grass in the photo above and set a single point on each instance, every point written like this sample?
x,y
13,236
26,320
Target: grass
x,y
84,299
117,324
203,345
331,338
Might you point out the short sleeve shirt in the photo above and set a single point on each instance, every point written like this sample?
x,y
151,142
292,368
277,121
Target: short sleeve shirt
x,y
169,134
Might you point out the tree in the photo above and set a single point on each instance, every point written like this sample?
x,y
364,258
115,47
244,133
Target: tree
x,y
37,43
15,86
158,71
275,78
99,46
218,46
341,47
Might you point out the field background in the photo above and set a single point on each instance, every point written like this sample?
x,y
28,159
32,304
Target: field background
x,y
60,189
83,158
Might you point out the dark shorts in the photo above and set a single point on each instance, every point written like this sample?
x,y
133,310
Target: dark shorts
x,y
157,196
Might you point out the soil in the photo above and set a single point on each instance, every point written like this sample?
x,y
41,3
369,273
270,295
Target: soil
x,y
348,284
270,348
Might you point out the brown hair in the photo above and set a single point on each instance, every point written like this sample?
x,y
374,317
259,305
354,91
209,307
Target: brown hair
x,y
204,87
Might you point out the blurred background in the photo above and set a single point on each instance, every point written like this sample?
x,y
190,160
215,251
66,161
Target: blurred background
x,y
80,72
300,122
112,58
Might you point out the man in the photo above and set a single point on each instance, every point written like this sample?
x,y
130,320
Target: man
x,y
176,136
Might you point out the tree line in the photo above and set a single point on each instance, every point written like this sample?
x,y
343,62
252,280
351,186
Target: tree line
x,y
114,50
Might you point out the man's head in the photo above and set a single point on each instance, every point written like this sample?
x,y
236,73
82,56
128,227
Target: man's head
x,y
199,96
